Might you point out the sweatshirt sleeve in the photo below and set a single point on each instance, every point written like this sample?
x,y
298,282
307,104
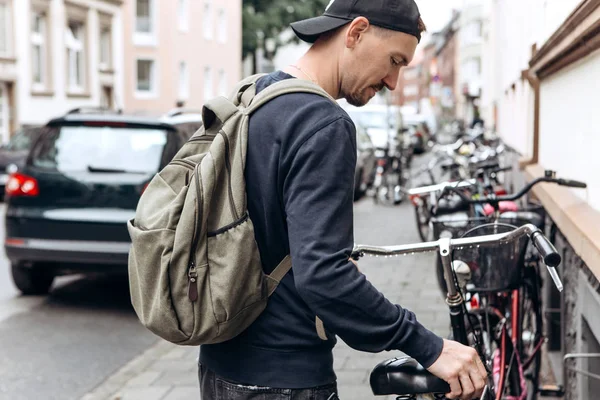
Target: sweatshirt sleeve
x,y
318,199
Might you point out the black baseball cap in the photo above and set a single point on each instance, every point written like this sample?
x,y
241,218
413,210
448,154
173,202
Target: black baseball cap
x,y
397,15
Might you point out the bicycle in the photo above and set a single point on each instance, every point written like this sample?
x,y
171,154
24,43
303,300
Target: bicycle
x,y
527,328
484,328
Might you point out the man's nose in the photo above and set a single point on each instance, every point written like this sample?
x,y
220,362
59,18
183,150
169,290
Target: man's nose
x,y
391,81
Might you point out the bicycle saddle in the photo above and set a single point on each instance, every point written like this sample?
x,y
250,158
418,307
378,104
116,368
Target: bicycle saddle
x,y
529,216
404,376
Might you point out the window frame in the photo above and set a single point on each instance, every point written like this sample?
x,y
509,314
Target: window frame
x,y
208,83
183,15
42,39
105,25
150,38
76,57
183,88
9,27
207,22
222,25
153,92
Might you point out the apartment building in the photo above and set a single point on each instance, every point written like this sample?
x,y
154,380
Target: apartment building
x,y
180,52
56,55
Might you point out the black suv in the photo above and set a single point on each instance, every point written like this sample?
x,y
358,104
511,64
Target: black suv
x,y
67,206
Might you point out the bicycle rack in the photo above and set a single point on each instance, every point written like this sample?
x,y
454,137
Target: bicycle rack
x,y
580,371
559,390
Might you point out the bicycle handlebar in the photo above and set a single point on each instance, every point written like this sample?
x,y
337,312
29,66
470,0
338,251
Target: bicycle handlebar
x,y
551,257
515,196
439,187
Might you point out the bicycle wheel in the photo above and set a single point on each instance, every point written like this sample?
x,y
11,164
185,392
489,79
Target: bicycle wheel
x,y
530,330
422,217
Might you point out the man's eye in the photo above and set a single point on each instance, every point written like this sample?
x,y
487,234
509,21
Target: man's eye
x,y
394,62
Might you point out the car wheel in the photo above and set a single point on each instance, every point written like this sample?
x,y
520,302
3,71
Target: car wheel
x,y
31,280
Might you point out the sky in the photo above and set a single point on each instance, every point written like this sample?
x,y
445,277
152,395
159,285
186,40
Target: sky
x,y
436,13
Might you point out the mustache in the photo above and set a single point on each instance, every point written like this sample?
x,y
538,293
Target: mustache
x,y
378,87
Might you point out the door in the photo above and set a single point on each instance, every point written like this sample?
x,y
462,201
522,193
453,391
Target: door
x,y
106,97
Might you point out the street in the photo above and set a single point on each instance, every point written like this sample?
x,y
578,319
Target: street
x,y
64,345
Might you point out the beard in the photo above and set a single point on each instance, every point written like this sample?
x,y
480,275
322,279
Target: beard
x,y
360,98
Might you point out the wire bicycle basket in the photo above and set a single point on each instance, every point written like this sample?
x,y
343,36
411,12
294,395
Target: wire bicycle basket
x,y
493,268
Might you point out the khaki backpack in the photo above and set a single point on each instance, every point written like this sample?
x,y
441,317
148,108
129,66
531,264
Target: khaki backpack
x,y
195,273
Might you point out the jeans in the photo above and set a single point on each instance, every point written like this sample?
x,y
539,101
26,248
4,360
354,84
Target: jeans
x,y
213,387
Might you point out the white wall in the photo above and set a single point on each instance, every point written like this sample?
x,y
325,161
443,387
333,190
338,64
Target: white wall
x,y
516,26
570,125
39,109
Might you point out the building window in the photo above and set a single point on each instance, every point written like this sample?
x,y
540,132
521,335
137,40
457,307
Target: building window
x,y
208,25
222,29
222,83
184,81
208,84
39,52
146,76
75,42
183,13
105,47
5,29
143,16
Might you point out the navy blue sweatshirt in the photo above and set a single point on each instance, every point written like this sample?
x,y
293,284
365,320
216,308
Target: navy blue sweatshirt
x,y
300,176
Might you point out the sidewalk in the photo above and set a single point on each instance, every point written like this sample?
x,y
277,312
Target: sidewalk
x,y
169,372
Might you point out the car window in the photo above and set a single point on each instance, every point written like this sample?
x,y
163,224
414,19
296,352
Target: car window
x,y
81,148
22,140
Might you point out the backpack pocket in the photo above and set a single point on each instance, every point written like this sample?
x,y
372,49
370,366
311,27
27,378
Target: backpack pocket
x,y
150,287
237,276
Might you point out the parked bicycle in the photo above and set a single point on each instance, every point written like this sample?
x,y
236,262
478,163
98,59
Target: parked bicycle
x,y
474,264
474,209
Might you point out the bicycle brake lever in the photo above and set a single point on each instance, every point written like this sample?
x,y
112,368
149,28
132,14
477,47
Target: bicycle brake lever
x,y
555,278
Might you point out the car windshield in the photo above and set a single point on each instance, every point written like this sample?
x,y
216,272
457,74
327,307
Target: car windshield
x,y
101,149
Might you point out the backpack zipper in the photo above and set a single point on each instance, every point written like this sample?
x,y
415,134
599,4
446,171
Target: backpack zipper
x,y
192,274
201,139
228,167
184,163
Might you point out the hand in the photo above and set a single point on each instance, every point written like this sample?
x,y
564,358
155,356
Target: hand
x,y
461,367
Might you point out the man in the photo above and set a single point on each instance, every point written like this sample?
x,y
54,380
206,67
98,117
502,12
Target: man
x,y
299,173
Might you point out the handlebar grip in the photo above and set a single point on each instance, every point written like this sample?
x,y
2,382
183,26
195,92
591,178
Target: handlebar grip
x,y
546,249
570,183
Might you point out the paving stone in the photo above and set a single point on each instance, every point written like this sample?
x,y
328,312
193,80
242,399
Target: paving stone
x,y
176,378
147,393
146,378
183,393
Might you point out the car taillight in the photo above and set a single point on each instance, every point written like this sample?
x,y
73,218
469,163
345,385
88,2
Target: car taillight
x,y
144,188
381,162
418,134
22,185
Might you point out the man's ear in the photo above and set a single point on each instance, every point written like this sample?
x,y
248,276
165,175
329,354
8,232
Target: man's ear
x,y
357,28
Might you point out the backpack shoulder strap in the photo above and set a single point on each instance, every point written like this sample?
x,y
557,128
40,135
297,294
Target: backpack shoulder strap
x,y
284,87
273,281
